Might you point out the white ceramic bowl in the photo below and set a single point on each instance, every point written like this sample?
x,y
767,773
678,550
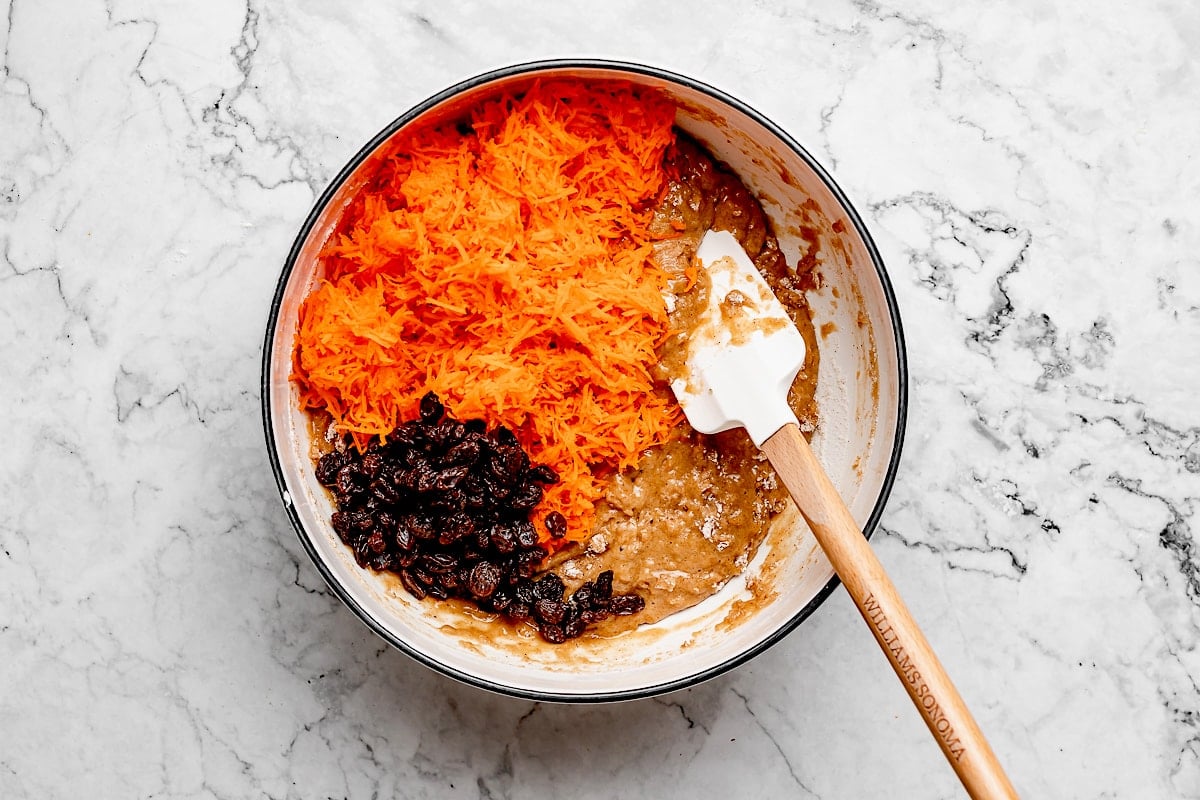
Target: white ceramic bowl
x,y
862,394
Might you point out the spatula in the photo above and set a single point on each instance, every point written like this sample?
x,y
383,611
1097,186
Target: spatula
x,y
743,352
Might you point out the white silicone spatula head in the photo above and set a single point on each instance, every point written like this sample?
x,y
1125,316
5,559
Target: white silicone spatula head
x,y
744,351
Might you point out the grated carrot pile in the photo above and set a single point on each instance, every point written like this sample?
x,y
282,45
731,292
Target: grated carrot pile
x,y
506,267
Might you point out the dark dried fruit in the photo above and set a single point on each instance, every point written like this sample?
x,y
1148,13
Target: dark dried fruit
x,y
552,634
574,628
347,479
341,525
528,562
451,582
385,491
441,481
603,587
543,474
431,408
465,452
525,497
409,583
525,593
438,563
328,467
551,611
454,528
403,538
371,464
550,587
556,525
526,534
625,604
485,578
447,507
503,539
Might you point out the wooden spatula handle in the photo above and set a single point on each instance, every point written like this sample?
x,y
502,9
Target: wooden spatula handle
x,y
911,657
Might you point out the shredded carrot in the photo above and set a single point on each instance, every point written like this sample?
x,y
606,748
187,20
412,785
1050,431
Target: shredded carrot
x,y
509,270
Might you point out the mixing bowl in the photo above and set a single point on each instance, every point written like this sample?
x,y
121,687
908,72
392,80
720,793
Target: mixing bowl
x,y
861,399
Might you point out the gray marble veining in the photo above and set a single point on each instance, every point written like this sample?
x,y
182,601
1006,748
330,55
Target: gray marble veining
x,y
1030,172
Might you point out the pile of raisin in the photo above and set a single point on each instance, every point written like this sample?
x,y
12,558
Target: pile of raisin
x,y
446,505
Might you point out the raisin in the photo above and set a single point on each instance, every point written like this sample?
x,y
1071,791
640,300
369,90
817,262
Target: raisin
x,y
464,452
542,474
485,578
347,479
551,611
403,538
527,536
503,539
410,583
450,582
549,587
525,593
385,491
556,525
328,468
574,628
446,434
525,497
409,435
454,528
527,563
341,525
421,527
625,604
438,563
604,585
552,634
431,408
371,464
441,481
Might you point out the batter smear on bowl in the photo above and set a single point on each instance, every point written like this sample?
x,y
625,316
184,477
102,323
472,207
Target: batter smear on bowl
x,y
515,265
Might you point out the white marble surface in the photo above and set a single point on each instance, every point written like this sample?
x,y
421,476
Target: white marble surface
x,y
1030,172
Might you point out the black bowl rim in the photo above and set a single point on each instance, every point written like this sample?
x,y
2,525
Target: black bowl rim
x,y
615,66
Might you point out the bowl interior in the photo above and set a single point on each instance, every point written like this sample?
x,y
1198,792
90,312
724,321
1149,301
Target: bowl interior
x,y
860,401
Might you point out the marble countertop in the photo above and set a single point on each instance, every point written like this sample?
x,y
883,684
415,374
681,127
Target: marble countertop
x,y
1030,172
